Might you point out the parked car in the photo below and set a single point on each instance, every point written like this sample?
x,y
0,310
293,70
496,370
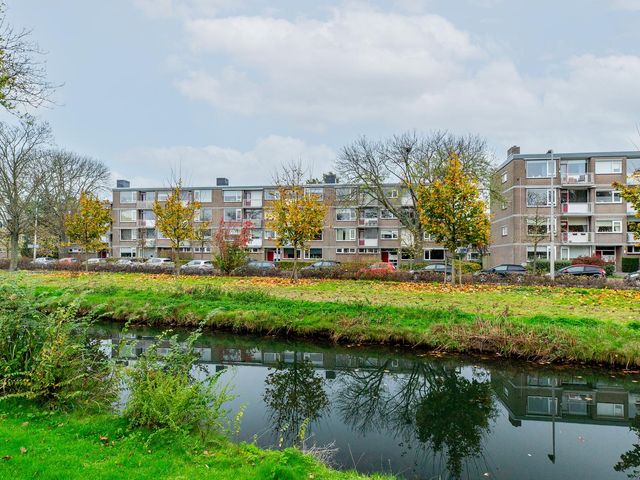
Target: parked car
x,y
633,278
125,261
68,261
44,261
261,265
503,270
322,265
432,268
378,267
155,262
198,265
94,261
583,270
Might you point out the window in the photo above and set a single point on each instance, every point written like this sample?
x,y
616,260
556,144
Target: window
x,y
232,214
434,254
608,167
201,249
540,168
127,215
269,235
345,251
391,193
610,409
505,231
128,197
162,196
205,215
317,192
541,254
540,197
427,237
128,234
389,234
542,405
312,253
633,249
127,252
537,229
271,194
505,177
608,226
344,193
232,196
633,171
608,196
369,251
503,205
345,214
202,195
386,214
345,234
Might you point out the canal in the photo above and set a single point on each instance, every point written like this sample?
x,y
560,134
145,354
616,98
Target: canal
x,y
419,415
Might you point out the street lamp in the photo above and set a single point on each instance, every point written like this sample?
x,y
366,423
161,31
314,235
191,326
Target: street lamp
x,y
552,221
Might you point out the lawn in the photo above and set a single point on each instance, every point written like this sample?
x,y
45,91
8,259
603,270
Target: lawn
x,y
542,323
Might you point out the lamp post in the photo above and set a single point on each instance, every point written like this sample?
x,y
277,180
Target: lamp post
x,y
552,221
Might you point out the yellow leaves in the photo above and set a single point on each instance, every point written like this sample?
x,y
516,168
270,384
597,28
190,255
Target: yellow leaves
x,y
89,223
175,218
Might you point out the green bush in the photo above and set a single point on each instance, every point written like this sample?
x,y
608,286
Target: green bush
x,y
630,264
543,266
165,395
610,269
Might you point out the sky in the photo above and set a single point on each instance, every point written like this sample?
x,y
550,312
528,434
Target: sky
x,y
236,88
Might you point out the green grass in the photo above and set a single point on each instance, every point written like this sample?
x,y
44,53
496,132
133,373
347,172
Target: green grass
x,y
542,323
49,445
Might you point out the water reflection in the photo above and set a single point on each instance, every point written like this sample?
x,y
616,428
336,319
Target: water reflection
x,y
429,417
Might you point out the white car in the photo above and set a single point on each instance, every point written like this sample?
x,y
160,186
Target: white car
x,y
44,261
198,265
94,261
159,262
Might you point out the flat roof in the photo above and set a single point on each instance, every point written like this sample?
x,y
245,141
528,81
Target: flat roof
x,y
569,156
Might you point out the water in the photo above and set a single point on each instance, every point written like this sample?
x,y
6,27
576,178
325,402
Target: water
x,y
426,417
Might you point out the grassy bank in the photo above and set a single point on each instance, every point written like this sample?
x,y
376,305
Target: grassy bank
x,y
544,323
40,444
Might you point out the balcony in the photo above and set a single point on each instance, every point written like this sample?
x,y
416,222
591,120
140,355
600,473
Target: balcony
x,y
255,222
255,243
150,243
631,210
252,203
577,237
632,239
368,242
144,204
368,222
576,179
583,208
147,223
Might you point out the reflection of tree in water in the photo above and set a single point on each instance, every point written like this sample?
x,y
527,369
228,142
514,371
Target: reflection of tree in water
x,y
631,460
431,403
294,394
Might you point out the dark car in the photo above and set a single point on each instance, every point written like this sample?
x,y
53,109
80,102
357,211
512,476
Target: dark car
x,y
433,268
504,270
323,264
583,270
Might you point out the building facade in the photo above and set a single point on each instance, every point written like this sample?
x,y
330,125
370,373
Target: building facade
x,y
568,197
356,227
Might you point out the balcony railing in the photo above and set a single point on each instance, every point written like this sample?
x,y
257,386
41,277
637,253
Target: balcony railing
x,y
147,223
576,179
368,222
577,237
255,223
150,243
255,243
252,202
577,208
630,209
368,242
144,204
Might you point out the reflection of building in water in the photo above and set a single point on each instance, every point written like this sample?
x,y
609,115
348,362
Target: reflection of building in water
x,y
573,399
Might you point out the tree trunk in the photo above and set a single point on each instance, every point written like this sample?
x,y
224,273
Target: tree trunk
x,y
176,267
13,252
294,273
86,261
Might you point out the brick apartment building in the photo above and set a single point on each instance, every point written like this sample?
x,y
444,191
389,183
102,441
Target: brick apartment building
x,y
590,216
356,227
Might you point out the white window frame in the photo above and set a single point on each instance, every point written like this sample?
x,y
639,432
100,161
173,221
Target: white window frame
x,y
236,199
344,193
346,251
162,195
505,177
351,236
389,234
391,193
198,194
614,197
237,211
132,251
134,234
505,230
610,171
134,197
550,193
135,216
317,191
550,168
386,214
616,226
353,215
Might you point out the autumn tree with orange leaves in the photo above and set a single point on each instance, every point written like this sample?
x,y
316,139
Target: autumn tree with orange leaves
x,y
631,193
452,212
89,224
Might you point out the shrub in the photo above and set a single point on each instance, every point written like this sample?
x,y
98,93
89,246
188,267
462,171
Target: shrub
x,y
630,264
589,260
544,266
610,269
165,395
468,267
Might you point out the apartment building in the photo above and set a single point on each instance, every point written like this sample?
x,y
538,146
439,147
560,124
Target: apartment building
x,y
568,197
356,227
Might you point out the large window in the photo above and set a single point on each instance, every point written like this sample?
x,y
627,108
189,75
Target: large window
x,y
537,197
271,194
608,196
608,167
232,196
128,197
232,214
608,226
542,253
540,168
345,214
345,234
127,252
127,215
389,234
162,196
434,254
205,215
537,227
128,234
542,405
573,167
386,214
202,196
344,193
318,192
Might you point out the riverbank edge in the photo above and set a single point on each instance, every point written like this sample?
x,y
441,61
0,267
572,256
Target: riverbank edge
x,y
78,445
568,340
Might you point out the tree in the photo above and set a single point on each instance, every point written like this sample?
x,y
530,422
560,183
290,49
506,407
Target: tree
x,y
295,216
23,81
538,229
231,247
21,178
89,224
68,176
202,235
452,212
409,160
175,218
631,193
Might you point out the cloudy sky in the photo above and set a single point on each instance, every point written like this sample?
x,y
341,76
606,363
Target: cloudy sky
x,y
236,87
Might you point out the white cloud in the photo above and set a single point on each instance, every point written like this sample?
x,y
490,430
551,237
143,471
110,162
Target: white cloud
x,y
146,167
633,5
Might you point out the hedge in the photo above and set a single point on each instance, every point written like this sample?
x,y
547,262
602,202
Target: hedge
x,y
630,264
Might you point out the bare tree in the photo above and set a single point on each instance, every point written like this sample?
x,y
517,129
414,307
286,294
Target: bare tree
x,y
410,160
538,229
21,177
68,175
23,80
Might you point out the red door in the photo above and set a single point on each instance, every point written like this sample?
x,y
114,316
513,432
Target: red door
x,y
270,255
384,256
